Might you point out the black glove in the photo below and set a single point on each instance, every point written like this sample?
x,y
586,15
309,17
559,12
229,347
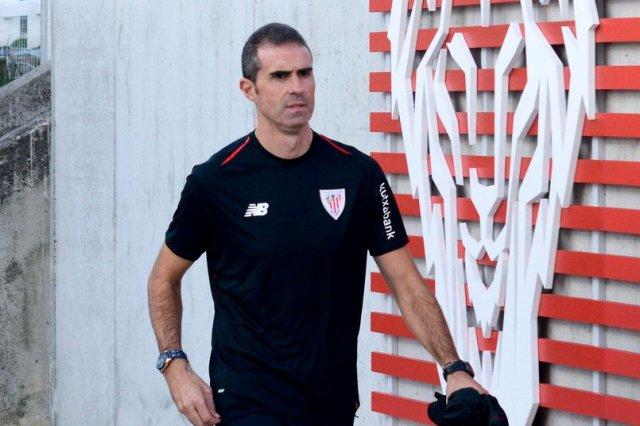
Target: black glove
x,y
467,407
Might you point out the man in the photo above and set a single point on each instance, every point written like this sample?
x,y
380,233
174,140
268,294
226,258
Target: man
x,y
286,217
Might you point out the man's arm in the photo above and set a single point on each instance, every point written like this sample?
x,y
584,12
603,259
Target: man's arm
x,y
191,394
422,313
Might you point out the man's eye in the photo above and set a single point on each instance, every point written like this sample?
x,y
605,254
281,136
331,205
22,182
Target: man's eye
x,y
280,75
304,73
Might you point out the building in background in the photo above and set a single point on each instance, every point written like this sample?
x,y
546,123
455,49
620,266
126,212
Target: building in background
x,y
20,38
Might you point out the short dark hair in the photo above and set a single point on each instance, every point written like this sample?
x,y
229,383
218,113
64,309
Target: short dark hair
x,y
275,34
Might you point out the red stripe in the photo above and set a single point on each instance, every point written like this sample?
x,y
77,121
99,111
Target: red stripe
x,y
407,368
604,172
400,407
416,248
584,218
610,30
592,404
335,145
379,285
394,325
608,77
555,306
610,314
236,151
586,357
607,124
579,264
575,355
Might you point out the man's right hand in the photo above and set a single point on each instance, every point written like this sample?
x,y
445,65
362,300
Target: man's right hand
x,y
192,396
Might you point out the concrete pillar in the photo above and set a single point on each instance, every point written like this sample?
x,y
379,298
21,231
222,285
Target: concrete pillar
x,y
83,166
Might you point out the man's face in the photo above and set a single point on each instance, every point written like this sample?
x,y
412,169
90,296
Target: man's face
x,y
284,89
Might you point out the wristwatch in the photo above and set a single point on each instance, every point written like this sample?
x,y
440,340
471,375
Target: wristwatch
x,y
457,365
167,356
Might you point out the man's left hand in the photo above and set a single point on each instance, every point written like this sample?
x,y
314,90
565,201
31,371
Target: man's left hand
x,y
461,379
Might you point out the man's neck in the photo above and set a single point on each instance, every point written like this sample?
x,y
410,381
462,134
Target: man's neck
x,y
285,145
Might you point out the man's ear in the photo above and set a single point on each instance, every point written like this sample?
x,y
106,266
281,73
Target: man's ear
x,y
248,89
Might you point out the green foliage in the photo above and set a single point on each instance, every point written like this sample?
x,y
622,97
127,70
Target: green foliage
x,y
4,72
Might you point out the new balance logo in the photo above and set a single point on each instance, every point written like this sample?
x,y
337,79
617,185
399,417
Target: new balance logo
x,y
257,209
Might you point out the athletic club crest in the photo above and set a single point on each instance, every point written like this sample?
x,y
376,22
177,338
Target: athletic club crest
x,y
333,201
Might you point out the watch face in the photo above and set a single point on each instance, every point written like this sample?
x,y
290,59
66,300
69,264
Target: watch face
x,y
161,360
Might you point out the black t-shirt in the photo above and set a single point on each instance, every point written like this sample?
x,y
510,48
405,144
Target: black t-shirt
x,y
286,244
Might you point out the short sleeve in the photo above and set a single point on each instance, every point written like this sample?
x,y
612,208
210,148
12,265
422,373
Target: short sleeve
x,y
386,229
190,230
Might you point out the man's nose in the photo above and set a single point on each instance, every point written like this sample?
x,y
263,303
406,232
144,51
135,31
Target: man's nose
x,y
295,84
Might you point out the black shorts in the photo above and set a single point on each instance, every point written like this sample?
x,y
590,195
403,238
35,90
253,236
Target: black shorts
x,y
236,411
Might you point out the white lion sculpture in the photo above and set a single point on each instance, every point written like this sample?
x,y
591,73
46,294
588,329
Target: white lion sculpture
x,y
524,253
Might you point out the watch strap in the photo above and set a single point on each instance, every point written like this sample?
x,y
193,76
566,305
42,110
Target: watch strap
x,y
169,355
455,366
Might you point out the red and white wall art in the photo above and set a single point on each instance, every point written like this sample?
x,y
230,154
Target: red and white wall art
x,y
494,120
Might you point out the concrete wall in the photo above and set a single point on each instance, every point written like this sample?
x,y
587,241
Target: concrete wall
x,y
25,279
146,91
